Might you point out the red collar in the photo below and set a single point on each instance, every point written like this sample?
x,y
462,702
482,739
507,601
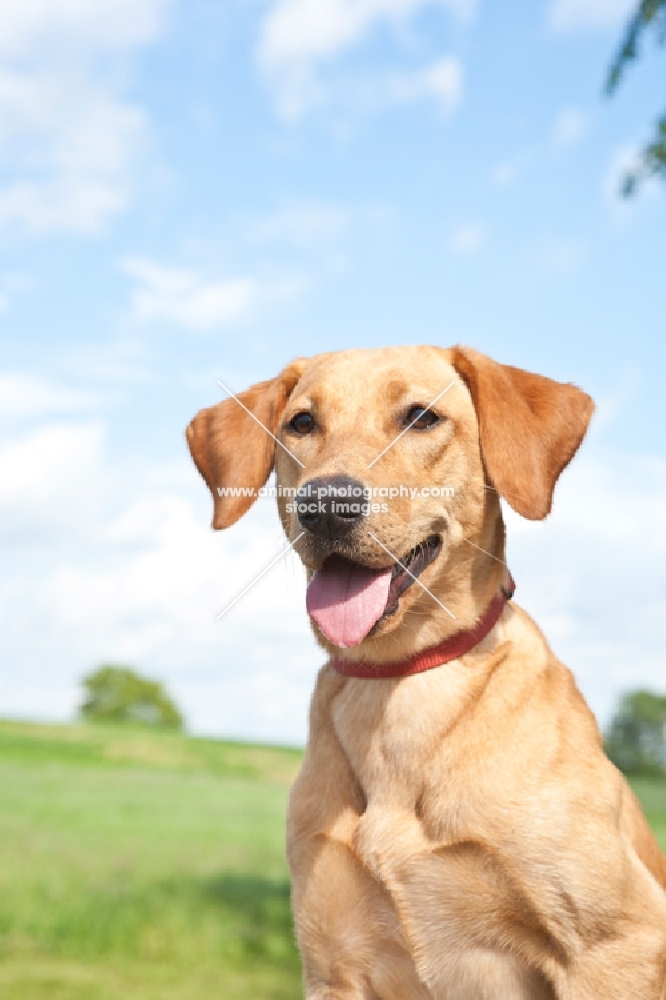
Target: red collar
x,y
450,649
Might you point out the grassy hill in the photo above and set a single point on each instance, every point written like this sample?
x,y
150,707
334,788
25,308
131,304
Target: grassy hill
x,y
142,865
150,866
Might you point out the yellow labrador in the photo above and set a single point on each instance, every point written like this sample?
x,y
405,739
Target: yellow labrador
x,y
456,832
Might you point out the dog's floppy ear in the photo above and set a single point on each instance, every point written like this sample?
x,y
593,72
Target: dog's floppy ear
x,y
529,428
233,448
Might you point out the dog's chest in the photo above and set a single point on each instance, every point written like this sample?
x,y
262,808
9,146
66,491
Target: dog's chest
x,y
390,730
394,735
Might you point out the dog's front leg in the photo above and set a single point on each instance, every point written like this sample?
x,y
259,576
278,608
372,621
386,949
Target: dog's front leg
x,y
474,938
348,933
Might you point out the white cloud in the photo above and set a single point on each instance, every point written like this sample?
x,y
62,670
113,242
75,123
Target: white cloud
x,y
569,128
68,134
467,239
102,23
50,482
182,297
594,574
298,35
43,462
297,30
588,15
441,80
112,562
23,395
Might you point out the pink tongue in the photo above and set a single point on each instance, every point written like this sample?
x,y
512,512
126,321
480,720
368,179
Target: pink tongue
x,y
345,599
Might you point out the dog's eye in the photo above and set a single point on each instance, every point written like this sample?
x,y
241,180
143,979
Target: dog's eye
x,y
302,423
420,419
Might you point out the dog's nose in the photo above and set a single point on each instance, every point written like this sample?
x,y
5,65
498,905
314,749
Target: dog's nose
x,y
330,506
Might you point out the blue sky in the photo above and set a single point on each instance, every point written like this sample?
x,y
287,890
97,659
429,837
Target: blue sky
x,y
205,190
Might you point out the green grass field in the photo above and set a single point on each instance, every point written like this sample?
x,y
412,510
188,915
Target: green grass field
x,y
142,865
150,866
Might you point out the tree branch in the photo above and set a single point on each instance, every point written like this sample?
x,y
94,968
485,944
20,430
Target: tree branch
x,y
649,14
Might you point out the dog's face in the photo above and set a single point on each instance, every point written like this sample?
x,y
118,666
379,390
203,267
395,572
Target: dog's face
x,y
386,479
390,464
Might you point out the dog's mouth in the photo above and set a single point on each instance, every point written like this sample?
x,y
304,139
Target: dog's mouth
x,y
346,599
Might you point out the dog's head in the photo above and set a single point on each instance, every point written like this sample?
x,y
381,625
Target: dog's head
x,y
390,464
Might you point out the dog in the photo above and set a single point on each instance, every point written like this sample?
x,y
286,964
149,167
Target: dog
x,y
456,831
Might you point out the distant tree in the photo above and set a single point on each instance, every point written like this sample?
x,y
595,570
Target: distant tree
x,y
649,15
636,737
118,694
